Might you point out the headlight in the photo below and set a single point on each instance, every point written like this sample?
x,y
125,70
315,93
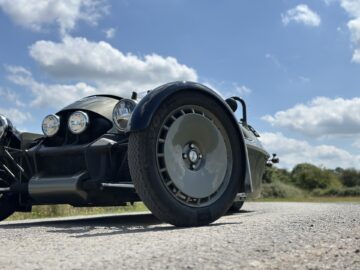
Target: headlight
x,y
51,125
122,113
78,122
4,125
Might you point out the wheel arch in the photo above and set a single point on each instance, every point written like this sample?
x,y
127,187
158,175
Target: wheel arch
x,y
147,107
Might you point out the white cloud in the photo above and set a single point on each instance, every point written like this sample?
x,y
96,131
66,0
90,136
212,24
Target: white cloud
x,y
107,67
110,33
228,89
38,14
53,95
356,143
352,7
242,90
11,96
16,116
301,14
292,152
321,117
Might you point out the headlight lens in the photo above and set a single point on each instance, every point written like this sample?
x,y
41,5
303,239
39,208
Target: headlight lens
x,y
122,113
4,124
78,122
51,125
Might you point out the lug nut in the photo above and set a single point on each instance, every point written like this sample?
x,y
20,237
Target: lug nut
x,y
200,156
184,156
192,145
193,167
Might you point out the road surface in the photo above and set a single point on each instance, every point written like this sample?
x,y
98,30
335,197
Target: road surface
x,y
262,236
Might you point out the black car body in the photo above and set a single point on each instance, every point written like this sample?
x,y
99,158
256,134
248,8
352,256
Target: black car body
x,y
98,166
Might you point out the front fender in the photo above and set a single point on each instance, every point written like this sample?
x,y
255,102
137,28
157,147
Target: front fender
x,y
147,107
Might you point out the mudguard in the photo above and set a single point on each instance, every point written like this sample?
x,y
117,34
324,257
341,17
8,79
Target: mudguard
x,y
147,107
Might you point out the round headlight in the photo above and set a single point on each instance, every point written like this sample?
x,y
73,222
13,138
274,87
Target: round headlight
x,y
122,113
51,125
4,125
78,122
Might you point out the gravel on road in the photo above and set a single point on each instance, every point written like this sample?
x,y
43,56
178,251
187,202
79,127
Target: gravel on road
x,y
261,236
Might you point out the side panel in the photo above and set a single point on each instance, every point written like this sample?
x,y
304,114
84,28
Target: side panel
x,y
147,107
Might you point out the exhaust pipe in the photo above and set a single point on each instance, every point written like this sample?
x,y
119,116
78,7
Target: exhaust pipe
x,y
59,190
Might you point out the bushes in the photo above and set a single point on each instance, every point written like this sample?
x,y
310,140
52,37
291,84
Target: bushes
x,y
350,177
310,177
279,189
307,179
341,192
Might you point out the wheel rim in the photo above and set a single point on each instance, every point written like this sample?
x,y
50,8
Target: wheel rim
x,y
194,156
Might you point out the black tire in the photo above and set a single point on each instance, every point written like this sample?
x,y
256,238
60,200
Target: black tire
x,y
236,206
7,202
149,182
7,207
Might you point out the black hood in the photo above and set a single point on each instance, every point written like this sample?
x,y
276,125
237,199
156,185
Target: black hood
x,y
101,104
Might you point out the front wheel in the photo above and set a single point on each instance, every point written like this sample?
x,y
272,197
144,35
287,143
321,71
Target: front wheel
x,y
187,166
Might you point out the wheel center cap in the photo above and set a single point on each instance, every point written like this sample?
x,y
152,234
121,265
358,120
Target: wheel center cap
x,y
193,156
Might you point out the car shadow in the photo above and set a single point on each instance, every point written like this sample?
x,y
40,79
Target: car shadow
x,y
113,224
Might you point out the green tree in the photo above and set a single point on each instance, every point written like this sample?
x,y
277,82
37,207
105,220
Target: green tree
x,y
273,174
350,177
310,177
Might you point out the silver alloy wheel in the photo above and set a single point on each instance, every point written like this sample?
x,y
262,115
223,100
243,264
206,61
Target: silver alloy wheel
x,y
194,156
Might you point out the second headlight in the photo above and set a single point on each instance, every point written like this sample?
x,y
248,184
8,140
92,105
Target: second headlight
x,y
122,113
78,122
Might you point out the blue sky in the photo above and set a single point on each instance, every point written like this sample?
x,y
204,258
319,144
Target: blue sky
x,y
297,63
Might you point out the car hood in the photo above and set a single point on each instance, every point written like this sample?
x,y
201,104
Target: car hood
x,y
102,105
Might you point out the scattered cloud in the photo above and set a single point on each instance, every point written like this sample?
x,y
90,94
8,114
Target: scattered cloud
x,y
354,27
320,117
304,79
301,14
37,15
98,68
228,89
242,90
110,33
352,8
11,96
17,117
45,95
106,66
356,143
292,152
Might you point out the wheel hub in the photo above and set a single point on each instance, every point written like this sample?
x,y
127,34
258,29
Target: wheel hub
x,y
192,156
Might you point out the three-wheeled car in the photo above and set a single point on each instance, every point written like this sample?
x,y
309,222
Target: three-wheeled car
x,y
179,149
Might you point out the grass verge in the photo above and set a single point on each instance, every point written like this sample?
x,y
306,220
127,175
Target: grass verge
x,y
49,211
311,199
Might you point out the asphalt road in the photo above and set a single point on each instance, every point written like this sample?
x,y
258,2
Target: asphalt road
x,y
262,236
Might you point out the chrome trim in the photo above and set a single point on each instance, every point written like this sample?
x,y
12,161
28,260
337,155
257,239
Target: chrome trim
x,y
118,185
4,126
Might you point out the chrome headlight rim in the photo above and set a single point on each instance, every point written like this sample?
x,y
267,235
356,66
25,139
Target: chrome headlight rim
x,y
86,121
57,119
5,124
126,116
